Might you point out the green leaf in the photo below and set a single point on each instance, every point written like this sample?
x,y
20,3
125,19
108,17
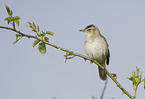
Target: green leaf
x,y
35,42
46,39
8,10
50,33
144,84
38,35
93,97
30,23
11,13
43,33
131,78
34,31
37,28
29,27
8,19
16,18
17,40
13,24
34,26
17,35
17,22
42,48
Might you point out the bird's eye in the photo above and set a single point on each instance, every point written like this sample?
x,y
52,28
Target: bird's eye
x,y
88,29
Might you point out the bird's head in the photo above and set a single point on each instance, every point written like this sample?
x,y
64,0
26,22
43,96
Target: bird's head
x,y
91,30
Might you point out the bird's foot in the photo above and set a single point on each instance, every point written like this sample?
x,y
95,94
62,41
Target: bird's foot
x,y
92,59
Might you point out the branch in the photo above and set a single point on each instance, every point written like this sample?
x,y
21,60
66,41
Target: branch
x,y
72,53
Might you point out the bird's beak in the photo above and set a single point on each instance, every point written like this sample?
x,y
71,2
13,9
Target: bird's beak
x,y
81,30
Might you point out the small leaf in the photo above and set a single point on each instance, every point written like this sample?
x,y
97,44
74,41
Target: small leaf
x,y
16,18
17,22
46,39
131,78
43,33
17,40
35,42
8,10
144,84
93,97
11,13
8,19
30,27
42,48
50,33
34,26
37,28
34,31
38,35
30,23
13,24
17,35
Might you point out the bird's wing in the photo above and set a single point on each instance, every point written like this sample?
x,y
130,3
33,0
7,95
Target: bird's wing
x,y
108,56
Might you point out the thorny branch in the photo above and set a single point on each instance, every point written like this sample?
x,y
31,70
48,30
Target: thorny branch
x,y
72,53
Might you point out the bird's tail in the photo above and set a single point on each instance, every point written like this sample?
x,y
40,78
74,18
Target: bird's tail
x,y
102,73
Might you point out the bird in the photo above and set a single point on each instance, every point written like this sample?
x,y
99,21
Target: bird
x,y
97,48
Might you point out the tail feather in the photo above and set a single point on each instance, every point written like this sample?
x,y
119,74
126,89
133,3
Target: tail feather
x,y
102,73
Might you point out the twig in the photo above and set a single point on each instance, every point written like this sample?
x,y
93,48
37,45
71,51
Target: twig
x,y
75,54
